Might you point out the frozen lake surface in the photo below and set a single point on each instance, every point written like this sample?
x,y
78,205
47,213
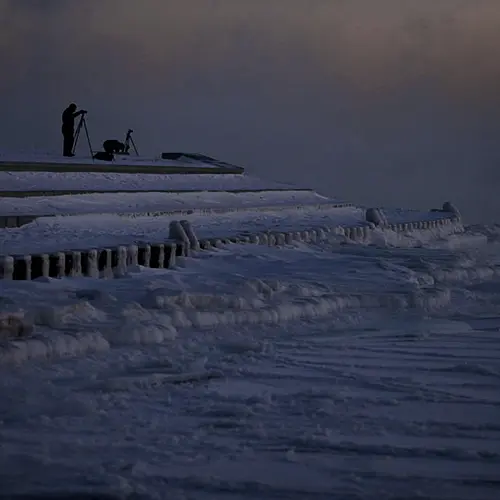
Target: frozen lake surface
x,y
314,371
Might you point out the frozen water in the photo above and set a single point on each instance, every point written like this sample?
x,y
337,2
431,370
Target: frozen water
x,y
310,371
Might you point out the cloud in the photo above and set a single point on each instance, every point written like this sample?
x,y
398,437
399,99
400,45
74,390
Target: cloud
x,y
374,47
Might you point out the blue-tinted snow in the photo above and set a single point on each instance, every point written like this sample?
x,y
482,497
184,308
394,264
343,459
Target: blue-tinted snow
x,y
315,371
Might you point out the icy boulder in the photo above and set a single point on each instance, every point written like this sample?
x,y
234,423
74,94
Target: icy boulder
x,y
14,326
6,303
375,216
450,208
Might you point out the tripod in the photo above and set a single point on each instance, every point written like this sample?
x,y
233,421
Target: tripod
x,y
129,140
83,123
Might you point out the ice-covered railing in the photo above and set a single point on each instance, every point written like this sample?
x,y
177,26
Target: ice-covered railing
x,y
377,217
182,241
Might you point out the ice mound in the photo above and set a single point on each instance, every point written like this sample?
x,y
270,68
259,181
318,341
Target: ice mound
x,y
61,331
141,334
275,302
246,285
54,345
466,274
268,289
417,238
81,327
141,326
167,300
72,314
14,325
159,314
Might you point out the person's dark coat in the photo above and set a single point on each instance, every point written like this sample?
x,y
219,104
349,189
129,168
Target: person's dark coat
x,y
68,127
113,146
68,119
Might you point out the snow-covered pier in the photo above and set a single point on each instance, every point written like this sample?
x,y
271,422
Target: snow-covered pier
x,y
166,163
86,223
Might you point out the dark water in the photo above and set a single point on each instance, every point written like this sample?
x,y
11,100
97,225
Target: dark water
x,y
387,102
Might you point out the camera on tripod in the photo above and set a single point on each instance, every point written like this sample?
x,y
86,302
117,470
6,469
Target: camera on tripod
x,y
82,123
113,147
110,146
128,141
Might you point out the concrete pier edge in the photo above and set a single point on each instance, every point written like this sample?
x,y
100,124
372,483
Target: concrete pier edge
x,y
115,168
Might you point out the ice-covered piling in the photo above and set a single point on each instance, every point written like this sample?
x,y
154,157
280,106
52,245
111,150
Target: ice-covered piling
x,y
191,236
178,234
92,267
144,255
57,265
7,267
132,255
75,264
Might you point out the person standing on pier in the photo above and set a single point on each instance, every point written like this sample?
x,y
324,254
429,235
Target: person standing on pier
x,y
68,128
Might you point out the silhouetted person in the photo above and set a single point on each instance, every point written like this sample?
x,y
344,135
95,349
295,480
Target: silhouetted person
x,y
68,128
113,146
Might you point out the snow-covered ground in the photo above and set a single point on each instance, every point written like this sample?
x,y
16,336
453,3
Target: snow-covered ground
x,y
308,372
93,181
49,234
159,202
79,232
